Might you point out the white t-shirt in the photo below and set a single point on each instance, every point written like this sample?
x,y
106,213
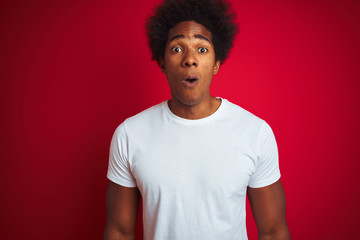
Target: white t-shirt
x,y
193,174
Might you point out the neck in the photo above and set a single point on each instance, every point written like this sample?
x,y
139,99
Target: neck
x,y
197,111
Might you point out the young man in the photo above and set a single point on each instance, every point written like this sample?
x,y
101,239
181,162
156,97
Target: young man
x,y
193,158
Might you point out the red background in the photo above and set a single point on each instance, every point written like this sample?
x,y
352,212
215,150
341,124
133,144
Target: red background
x,y
72,71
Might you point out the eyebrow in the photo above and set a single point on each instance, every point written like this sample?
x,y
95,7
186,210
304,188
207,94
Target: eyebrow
x,y
182,36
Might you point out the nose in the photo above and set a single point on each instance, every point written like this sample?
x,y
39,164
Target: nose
x,y
189,60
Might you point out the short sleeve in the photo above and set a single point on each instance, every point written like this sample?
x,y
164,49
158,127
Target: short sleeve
x,y
119,167
267,165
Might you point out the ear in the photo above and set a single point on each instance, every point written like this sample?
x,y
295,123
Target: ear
x,y
161,63
217,66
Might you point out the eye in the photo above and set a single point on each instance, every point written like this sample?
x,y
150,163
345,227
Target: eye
x,y
202,50
176,49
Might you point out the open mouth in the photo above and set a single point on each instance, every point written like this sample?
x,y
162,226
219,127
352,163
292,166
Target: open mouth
x,y
191,79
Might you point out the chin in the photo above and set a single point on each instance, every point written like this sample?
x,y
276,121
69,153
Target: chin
x,y
190,100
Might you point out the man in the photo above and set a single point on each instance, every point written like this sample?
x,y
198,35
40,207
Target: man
x,y
193,158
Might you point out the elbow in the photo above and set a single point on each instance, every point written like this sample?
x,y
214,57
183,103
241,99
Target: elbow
x,y
114,233
276,234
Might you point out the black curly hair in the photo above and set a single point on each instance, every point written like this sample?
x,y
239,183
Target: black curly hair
x,y
214,15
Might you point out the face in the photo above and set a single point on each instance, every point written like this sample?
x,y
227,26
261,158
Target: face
x,y
189,63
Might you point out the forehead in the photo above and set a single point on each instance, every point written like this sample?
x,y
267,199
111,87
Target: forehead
x,y
189,29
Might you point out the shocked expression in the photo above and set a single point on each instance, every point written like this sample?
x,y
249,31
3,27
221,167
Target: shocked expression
x,y
189,63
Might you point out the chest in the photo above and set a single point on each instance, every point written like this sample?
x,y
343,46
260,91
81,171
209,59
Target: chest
x,y
194,162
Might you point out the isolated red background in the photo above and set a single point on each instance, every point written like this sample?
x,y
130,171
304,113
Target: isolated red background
x,y
72,71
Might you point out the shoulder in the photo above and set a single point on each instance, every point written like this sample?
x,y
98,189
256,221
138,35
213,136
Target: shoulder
x,y
146,115
142,120
242,117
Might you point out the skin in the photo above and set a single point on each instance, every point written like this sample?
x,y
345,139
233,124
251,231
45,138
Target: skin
x,y
268,206
190,52
122,205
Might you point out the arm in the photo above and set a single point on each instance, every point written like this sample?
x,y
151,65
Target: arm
x,y
122,206
268,206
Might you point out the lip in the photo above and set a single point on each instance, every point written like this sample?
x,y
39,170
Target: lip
x,y
192,83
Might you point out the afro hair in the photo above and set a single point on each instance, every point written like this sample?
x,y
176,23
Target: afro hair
x,y
214,15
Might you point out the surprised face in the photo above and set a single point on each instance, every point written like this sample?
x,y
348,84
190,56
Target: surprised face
x,y
189,63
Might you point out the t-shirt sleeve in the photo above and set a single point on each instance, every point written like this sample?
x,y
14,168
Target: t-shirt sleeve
x,y
119,167
267,165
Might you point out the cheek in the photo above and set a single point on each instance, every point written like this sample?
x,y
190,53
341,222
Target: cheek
x,y
171,64
209,65
209,68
